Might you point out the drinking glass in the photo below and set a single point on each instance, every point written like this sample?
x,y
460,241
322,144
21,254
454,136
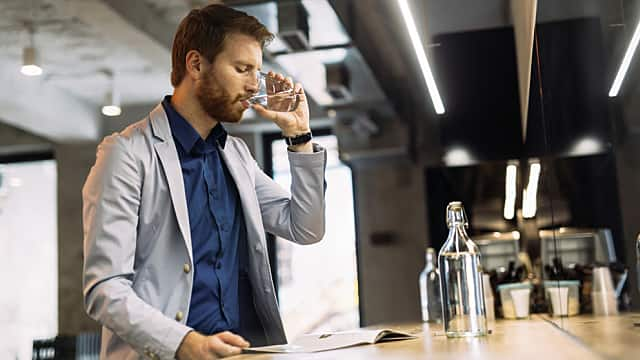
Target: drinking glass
x,y
274,94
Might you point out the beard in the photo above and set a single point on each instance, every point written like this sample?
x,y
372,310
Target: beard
x,y
217,102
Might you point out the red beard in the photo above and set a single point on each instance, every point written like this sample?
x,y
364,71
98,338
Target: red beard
x,y
217,102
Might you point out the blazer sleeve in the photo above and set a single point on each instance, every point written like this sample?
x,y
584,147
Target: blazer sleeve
x,y
111,199
298,216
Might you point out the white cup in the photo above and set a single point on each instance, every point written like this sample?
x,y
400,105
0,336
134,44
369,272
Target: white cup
x,y
604,303
488,298
602,281
521,302
559,300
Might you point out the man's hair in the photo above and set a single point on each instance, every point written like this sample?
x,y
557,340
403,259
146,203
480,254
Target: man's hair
x,y
206,30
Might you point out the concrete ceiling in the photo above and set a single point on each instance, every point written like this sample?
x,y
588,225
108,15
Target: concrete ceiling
x,y
79,39
76,41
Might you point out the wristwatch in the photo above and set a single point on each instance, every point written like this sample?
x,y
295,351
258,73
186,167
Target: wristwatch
x,y
297,140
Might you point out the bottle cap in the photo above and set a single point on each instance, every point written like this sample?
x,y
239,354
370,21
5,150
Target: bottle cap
x,y
456,215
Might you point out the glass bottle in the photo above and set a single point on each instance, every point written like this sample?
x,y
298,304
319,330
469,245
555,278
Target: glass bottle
x,y
464,312
430,289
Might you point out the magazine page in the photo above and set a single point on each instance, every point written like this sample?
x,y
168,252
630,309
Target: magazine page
x,y
334,340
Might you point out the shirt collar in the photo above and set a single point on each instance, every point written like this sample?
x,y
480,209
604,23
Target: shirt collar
x,y
185,134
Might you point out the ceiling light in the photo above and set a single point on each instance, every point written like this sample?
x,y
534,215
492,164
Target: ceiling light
x,y
30,65
422,57
30,61
112,100
510,192
111,110
458,156
626,61
587,146
529,206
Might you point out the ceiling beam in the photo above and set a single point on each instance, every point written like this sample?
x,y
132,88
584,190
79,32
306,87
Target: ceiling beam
x,y
524,22
43,109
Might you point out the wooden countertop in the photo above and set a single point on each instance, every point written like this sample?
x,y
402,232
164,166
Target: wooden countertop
x,y
536,338
612,337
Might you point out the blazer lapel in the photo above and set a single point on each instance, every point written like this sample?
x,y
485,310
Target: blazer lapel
x,y
168,155
241,177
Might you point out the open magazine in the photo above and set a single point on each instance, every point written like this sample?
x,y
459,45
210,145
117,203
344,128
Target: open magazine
x,y
333,340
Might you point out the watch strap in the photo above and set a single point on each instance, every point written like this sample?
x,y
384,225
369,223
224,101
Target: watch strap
x,y
297,140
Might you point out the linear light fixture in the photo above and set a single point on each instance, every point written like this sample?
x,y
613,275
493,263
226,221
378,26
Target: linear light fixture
x,y
510,192
626,61
529,195
422,57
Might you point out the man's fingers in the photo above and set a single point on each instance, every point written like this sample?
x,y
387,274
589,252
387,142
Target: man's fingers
x,y
233,339
227,350
221,349
267,114
299,91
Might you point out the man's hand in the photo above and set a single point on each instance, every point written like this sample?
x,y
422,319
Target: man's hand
x,y
292,123
197,346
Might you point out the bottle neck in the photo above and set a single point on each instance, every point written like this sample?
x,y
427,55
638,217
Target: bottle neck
x,y
459,229
458,240
429,260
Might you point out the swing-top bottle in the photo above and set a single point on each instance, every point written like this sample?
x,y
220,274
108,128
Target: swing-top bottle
x,y
463,305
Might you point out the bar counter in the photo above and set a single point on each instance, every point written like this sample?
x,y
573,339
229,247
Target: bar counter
x,y
539,338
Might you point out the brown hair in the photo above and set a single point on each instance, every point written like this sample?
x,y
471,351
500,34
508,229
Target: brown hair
x,y
206,29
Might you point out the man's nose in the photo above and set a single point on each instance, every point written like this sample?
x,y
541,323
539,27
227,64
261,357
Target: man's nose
x,y
252,84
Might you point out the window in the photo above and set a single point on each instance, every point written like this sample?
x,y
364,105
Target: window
x,y
317,284
29,256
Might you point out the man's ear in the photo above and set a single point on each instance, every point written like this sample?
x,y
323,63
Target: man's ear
x,y
194,64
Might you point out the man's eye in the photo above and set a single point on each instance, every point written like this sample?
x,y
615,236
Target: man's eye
x,y
241,70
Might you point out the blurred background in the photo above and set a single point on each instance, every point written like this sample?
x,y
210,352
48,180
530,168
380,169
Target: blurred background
x,y
527,111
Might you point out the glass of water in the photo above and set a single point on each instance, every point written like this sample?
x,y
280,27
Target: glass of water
x,y
274,94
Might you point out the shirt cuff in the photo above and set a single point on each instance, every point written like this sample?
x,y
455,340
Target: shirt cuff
x,y
315,159
173,339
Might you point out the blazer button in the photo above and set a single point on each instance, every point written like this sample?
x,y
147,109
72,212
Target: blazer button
x,y
179,316
186,268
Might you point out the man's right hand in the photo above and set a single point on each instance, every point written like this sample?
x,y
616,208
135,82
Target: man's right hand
x,y
197,346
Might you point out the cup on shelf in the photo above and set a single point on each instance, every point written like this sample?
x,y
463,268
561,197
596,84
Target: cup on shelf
x,y
563,302
521,302
559,300
603,294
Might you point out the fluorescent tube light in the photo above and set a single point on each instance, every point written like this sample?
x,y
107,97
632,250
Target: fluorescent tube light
x,y
529,206
510,192
422,57
626,61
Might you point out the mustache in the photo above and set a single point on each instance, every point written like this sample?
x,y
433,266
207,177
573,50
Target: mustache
x,y
244,97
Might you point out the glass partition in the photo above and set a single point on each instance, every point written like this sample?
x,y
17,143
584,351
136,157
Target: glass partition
x,y
585,79
494,156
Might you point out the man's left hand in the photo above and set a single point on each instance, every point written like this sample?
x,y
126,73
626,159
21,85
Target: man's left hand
x,y
292,123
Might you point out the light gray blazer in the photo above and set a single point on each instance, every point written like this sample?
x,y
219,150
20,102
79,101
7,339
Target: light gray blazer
x,y
138,268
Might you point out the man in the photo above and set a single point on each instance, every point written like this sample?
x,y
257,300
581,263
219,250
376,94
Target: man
x,y
175,210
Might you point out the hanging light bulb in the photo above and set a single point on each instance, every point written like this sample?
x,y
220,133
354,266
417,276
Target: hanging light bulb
x,y
30,59
111,105
29,62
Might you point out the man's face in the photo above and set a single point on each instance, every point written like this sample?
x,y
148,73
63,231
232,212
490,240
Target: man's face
x,y
231,79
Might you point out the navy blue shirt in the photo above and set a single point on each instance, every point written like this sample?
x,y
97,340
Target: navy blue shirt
x,y
221,289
